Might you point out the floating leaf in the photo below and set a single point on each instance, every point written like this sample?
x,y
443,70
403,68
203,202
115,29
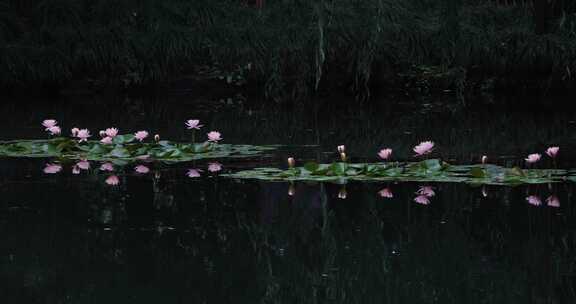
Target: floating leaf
x,y
425,171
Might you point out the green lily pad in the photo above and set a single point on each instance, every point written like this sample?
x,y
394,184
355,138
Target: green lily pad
x,y
432,170
124,147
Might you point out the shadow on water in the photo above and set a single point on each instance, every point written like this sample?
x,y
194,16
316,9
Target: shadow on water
x,y
167,234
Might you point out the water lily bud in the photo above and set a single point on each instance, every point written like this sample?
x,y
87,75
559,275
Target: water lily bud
x,y
102,133
291,162
343,156
341,149
156,138
484,159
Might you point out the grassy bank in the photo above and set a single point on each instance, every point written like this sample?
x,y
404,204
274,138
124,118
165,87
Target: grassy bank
x,y
288,48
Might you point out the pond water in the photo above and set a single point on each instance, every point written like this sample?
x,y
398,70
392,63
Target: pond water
x,y
165,236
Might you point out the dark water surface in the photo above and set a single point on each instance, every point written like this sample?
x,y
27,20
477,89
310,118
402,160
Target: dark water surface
x,y
165,237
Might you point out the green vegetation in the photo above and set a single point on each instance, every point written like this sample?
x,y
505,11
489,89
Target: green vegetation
x,y
288,48
431,170
125,148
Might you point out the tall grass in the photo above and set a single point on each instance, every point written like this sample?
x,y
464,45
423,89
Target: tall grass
x,y
294,47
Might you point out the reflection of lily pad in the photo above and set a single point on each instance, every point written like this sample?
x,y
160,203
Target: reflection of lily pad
x,y
432,170
125,148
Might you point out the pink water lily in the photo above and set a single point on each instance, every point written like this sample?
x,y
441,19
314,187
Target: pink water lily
x,y
214,167
49,123
141,135
426,191
52,168
193,124
385,153
54,130
423,148
552,151
291,162
386,193
111,132
422,200
83,164
74,132
83,135
193,173
141,169
534,200
112,180
553,201
106,140
214,136
107,167
532,158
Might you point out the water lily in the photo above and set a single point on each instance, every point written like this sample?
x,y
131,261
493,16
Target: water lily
x,y
532,158
534,200
193,124
74,132
107,167
214,167
484,159
102,133
141,135
214,136
424,147
52,168
111,132
553,201
106,140
112,180
422,200
49,123
83,164
386,193
426,191
341,149
291,162
385,153
83,135
141,169
54,130
552,151
193,173
157,138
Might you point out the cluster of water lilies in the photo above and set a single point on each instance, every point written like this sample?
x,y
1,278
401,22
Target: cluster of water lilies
x,y
108,135
426,147
111,136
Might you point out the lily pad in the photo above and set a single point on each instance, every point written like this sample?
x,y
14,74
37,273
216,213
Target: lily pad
x,y
125,148
432,170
